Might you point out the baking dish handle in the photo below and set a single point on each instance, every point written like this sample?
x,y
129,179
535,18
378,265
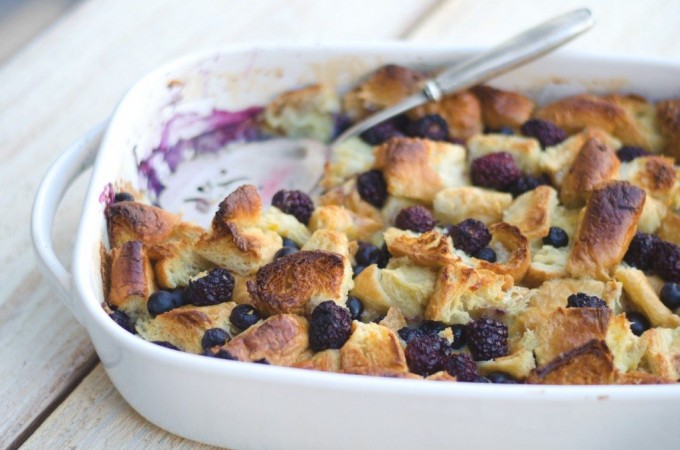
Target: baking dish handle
x,y
63,172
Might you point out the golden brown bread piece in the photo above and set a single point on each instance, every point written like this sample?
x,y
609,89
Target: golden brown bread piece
x,y
503,108
178,261
589,364
662,352
132,279
462,112
436,165
305,112
547,263
639,377
586,110
531,212
441,376
394,319
234,241
431,249
296,282
341,219
668,119
329,241
596,163
525,151
643,297
371,347
184,327
568,328
385,87
134,221
623,344
607,227
460,289
326,361
281,340
519,365
453,205
285,225
512,250
655,174
401,284
347,195
669,230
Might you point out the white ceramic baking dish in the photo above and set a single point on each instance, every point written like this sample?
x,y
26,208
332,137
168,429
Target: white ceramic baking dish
x,y
242,405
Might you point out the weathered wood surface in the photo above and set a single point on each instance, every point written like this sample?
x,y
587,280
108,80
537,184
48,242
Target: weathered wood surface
x,y
70,77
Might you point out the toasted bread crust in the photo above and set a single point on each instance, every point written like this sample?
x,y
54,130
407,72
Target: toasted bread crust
x,y
134,221
668,118
431,249
132,279
280,340
607,227
288,284
515,244
503,108
589,364
595,164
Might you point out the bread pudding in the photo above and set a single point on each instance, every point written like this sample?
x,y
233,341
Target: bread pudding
x,y
482,238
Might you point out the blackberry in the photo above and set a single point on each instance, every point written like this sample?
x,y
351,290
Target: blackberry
x,y
367,254
415,218
123,197
372,188
526,183
459,338
383,132
640,251
670,295
164,301
666,261
284,251
638,323
123,321
487,339
432,327
461,366
432,127
547,133
244,316
583,300
355,306
165,344
501,378
213,337
556,237
470,236
495,171
487,254
329,326
215,287
481,379
295,203
408,334
628,153
426,355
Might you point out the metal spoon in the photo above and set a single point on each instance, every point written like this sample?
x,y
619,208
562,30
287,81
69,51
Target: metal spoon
x,y
288,163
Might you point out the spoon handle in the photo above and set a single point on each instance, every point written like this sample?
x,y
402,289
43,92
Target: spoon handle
x,y
519,50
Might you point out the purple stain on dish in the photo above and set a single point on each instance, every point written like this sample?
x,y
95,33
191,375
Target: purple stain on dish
x,y
208,135
108,195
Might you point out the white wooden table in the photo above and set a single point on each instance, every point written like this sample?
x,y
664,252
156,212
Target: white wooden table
x,y
54,392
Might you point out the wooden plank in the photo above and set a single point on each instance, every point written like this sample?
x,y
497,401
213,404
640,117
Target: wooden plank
x,y
96,416
631,28
65,81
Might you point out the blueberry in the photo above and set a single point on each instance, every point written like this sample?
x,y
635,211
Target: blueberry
x,y
123,197
501,378
432,327
288,243
358,269
556,237
213,337
223,354
164,301
385,256
629,153
433,127
355,306
487,254
502,130
165,344
383,131
367,254
244,316
670,295
123,320
262,361
638,323
458,336
284,251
